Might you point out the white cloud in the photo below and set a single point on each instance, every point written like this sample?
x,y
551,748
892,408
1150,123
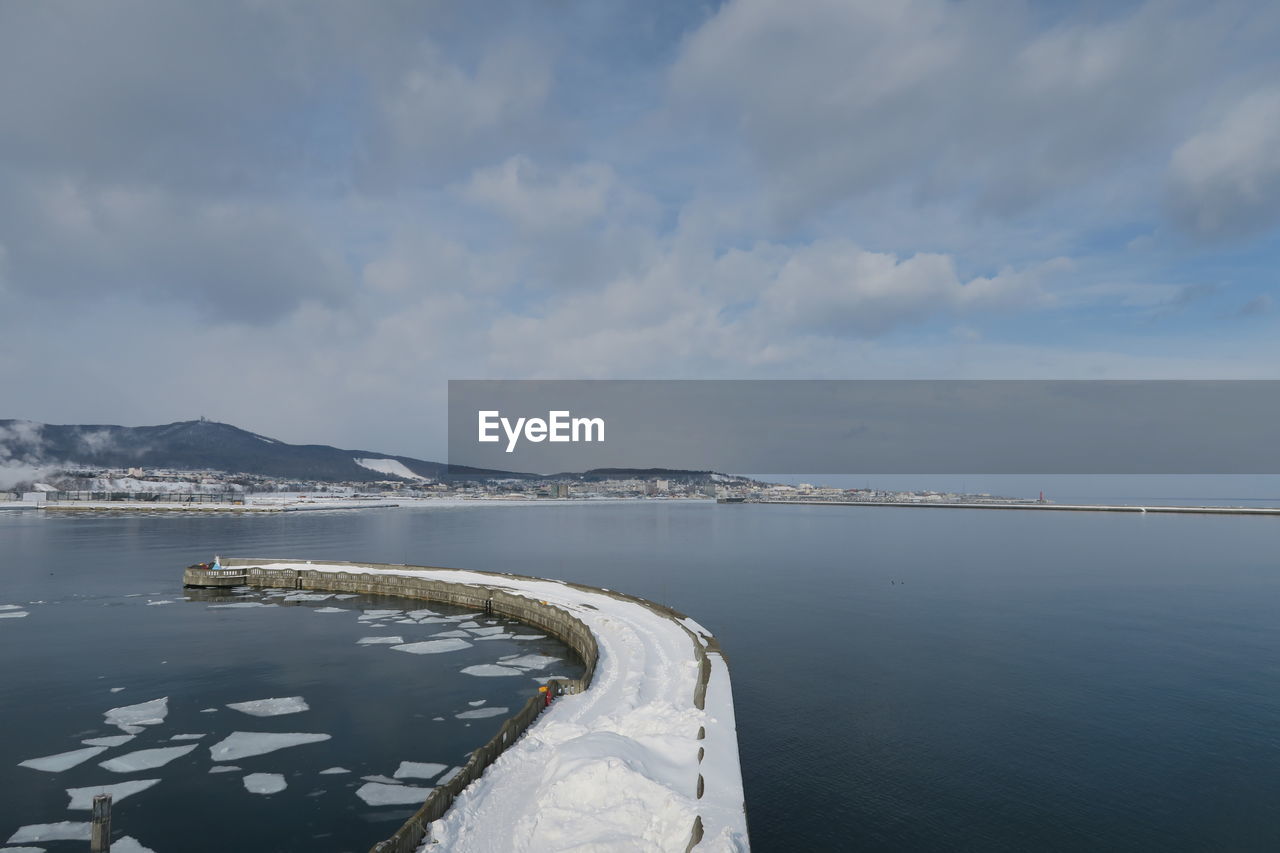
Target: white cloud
x,y
1225,180
835,98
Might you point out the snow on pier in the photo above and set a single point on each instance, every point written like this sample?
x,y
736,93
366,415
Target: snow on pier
x,y
632,763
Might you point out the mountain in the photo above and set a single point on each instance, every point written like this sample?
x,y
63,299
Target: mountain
x,y
209,445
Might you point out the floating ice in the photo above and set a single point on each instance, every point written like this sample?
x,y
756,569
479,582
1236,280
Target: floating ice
x,y
444,634
468,624
477,703
431,647
112,740
528,636
346,595
418,770
129,844
491,669
369,641
265,783
242,604
383,779
163,601
24,850
333,771
483,632
145,759
208,710
480,713
63,760
531,661
433,620
10,606
116,689
143,714
448,777
331,610
133,730
244,744
13,614
380,794
309,596
495,637
380,614
187,737
405,621
66,830
223,768
416,614
82,798
271,707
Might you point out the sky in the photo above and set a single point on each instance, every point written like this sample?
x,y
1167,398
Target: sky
x,y
304,218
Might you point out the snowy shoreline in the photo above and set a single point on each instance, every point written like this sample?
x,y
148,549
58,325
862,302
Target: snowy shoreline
x,y
631,763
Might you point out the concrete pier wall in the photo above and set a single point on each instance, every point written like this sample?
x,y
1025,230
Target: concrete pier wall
x,y
548,618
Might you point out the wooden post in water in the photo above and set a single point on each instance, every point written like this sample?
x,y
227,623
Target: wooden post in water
x,y
100,828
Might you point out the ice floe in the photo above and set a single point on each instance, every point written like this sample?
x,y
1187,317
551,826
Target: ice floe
x,y
63,830
331,610
244,744
265,783
381,794
116,689
271,707
494,637
162,601
223,768
187,737
418,770
491,669
477,703
145,759
443,634
531,661
242,604
333,771
10,606
481,713
483,632
111,740
129,844
421,614
448,777
13,614
383,779
371,641
82,798
309,596
142,714
380,614
431,647
63,760
528,636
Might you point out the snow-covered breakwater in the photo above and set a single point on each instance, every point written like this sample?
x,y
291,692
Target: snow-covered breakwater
x,y
642,753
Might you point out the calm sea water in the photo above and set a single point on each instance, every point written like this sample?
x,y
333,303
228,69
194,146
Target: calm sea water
x,y
904,679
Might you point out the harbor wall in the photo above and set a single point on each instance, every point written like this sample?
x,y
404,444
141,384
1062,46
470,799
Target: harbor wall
x,y
546,617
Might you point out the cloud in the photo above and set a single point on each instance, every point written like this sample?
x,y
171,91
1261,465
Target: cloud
x,y
1225,180
978,101
245,261
538,199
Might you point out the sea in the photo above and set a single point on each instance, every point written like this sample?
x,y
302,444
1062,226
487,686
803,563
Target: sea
x,y
904,679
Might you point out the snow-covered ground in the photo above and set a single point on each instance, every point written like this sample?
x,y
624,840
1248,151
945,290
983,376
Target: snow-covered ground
x,y
615,767
387,466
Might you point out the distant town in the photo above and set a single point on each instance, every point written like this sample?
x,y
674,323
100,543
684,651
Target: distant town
x,y
136,484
